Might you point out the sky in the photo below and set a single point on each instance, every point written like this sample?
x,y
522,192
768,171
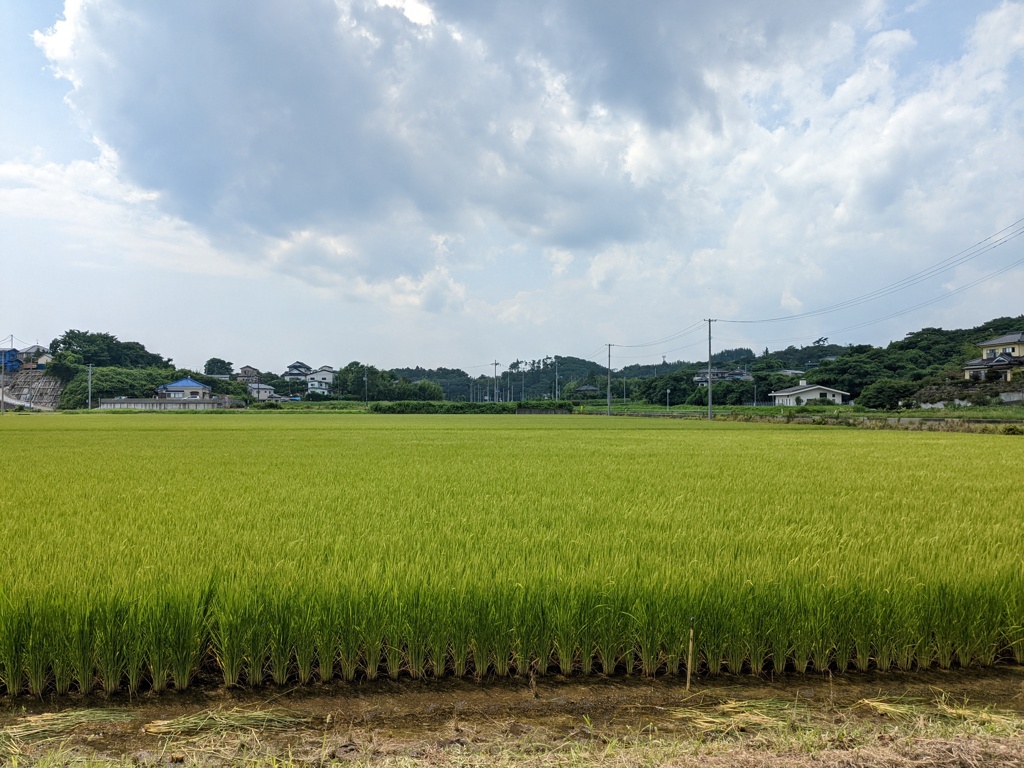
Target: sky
x,y
453,183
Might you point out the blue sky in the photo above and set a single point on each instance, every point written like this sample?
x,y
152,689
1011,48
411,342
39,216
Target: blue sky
x,y
408,182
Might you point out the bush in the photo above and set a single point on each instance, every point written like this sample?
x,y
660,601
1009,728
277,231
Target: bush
x,y
461,407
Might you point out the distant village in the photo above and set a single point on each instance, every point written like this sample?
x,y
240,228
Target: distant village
x,y
863,373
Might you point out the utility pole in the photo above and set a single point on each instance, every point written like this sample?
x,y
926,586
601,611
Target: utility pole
x,y
366,389
90,386
711,413
496,364
609,379
3,380
668,391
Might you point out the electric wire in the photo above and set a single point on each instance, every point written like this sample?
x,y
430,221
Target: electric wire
x,y
990,243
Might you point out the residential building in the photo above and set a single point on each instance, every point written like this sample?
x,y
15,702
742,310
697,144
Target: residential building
x,y
261,392
31,354
10,360
717,375
809,394
1000,357
297,371
319,387
187,388
323,374
248,375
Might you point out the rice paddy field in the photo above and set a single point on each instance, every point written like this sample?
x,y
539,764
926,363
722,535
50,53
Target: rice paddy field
x,y
145,552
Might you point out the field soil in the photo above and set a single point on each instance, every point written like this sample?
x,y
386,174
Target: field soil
x,y
956,718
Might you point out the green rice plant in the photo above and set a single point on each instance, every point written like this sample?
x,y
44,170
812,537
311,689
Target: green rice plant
x,y
535,634
83,649
610,635
645,637
60,658
305,636
157,628
566,624
110,628
135,659
12,640
587,638
231,625
371,630
188,616
38,646
280,643
348,639
326,621
497,617
259,635
522,553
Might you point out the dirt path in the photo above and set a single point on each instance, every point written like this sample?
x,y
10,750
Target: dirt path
x,y
929,718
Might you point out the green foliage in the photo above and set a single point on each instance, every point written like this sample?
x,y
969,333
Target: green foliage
x,y
468,408
134,382
887,394
99,349
217,367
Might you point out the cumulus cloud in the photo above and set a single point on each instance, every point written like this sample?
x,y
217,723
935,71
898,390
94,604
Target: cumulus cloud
x,y
478,159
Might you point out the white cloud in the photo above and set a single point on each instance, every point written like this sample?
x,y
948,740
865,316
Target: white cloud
x,y
459,160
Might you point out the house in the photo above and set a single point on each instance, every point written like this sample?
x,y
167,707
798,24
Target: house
x,y
322,374
808,394
31,354
35,362
187,388
297,371
319,387
1000,357
10,361
261,392
248,375
717,375
587,390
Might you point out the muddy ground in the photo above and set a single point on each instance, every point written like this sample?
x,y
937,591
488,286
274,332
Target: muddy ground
x,y
960,718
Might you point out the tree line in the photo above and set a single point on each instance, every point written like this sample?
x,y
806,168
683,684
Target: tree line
x,y
928,360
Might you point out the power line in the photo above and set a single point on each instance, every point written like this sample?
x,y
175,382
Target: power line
x,y
678,334
991,242
901,312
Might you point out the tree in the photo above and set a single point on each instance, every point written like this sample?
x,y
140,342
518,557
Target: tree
x,y
104,349
217,367
886,394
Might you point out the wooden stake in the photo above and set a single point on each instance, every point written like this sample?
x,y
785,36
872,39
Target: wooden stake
x,y
689,656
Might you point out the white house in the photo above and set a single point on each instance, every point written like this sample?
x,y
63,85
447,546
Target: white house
x,y
1000,358
297,371
320,387
322,374
809,394
261,392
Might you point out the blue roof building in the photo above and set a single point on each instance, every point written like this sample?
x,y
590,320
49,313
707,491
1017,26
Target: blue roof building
x,y
185,388
10,361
